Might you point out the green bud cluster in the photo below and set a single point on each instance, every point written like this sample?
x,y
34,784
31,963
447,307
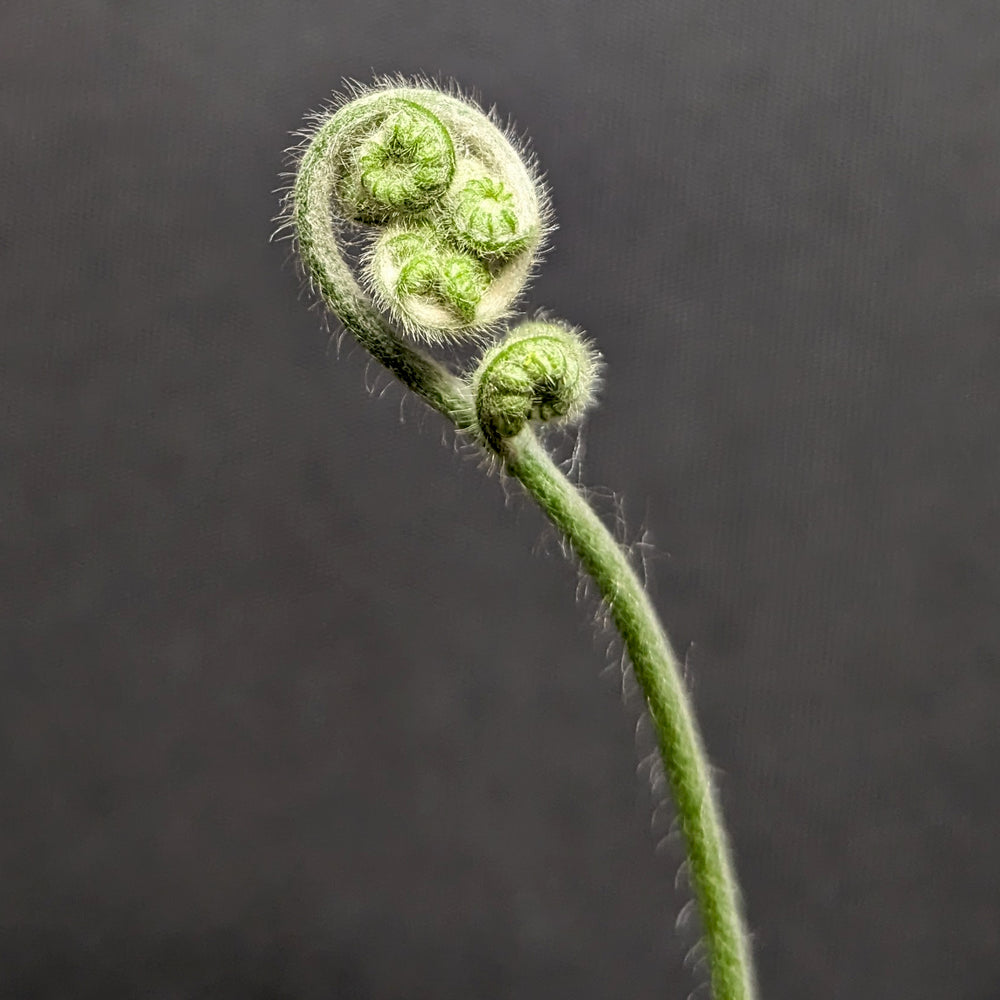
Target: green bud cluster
x,y
411,205
455,214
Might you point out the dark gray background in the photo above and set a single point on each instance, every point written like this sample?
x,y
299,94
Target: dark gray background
x,y
290,708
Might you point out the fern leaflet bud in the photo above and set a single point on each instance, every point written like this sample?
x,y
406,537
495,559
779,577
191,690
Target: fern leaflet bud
x,y
397,158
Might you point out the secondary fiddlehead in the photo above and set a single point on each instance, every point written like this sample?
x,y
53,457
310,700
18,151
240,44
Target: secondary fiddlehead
x,y
542,370
451,217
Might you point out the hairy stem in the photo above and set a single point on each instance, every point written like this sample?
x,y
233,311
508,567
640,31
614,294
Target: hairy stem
x,y
658,672
334,280
318,237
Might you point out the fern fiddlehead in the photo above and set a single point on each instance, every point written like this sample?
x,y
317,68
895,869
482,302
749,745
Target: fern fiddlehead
x,y
542,371
452,216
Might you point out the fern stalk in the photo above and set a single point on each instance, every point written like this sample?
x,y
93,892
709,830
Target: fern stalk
x,y
455,215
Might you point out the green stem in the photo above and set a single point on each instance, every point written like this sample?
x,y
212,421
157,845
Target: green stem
x,y
658,672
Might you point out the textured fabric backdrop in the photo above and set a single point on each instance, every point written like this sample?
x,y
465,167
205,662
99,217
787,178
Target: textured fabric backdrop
x,y
295,704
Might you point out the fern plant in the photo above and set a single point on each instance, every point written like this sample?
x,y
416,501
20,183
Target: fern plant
x,y
419,221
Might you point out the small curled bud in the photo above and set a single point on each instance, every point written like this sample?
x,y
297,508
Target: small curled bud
x,y
542,370
428,286
399,158
484,218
